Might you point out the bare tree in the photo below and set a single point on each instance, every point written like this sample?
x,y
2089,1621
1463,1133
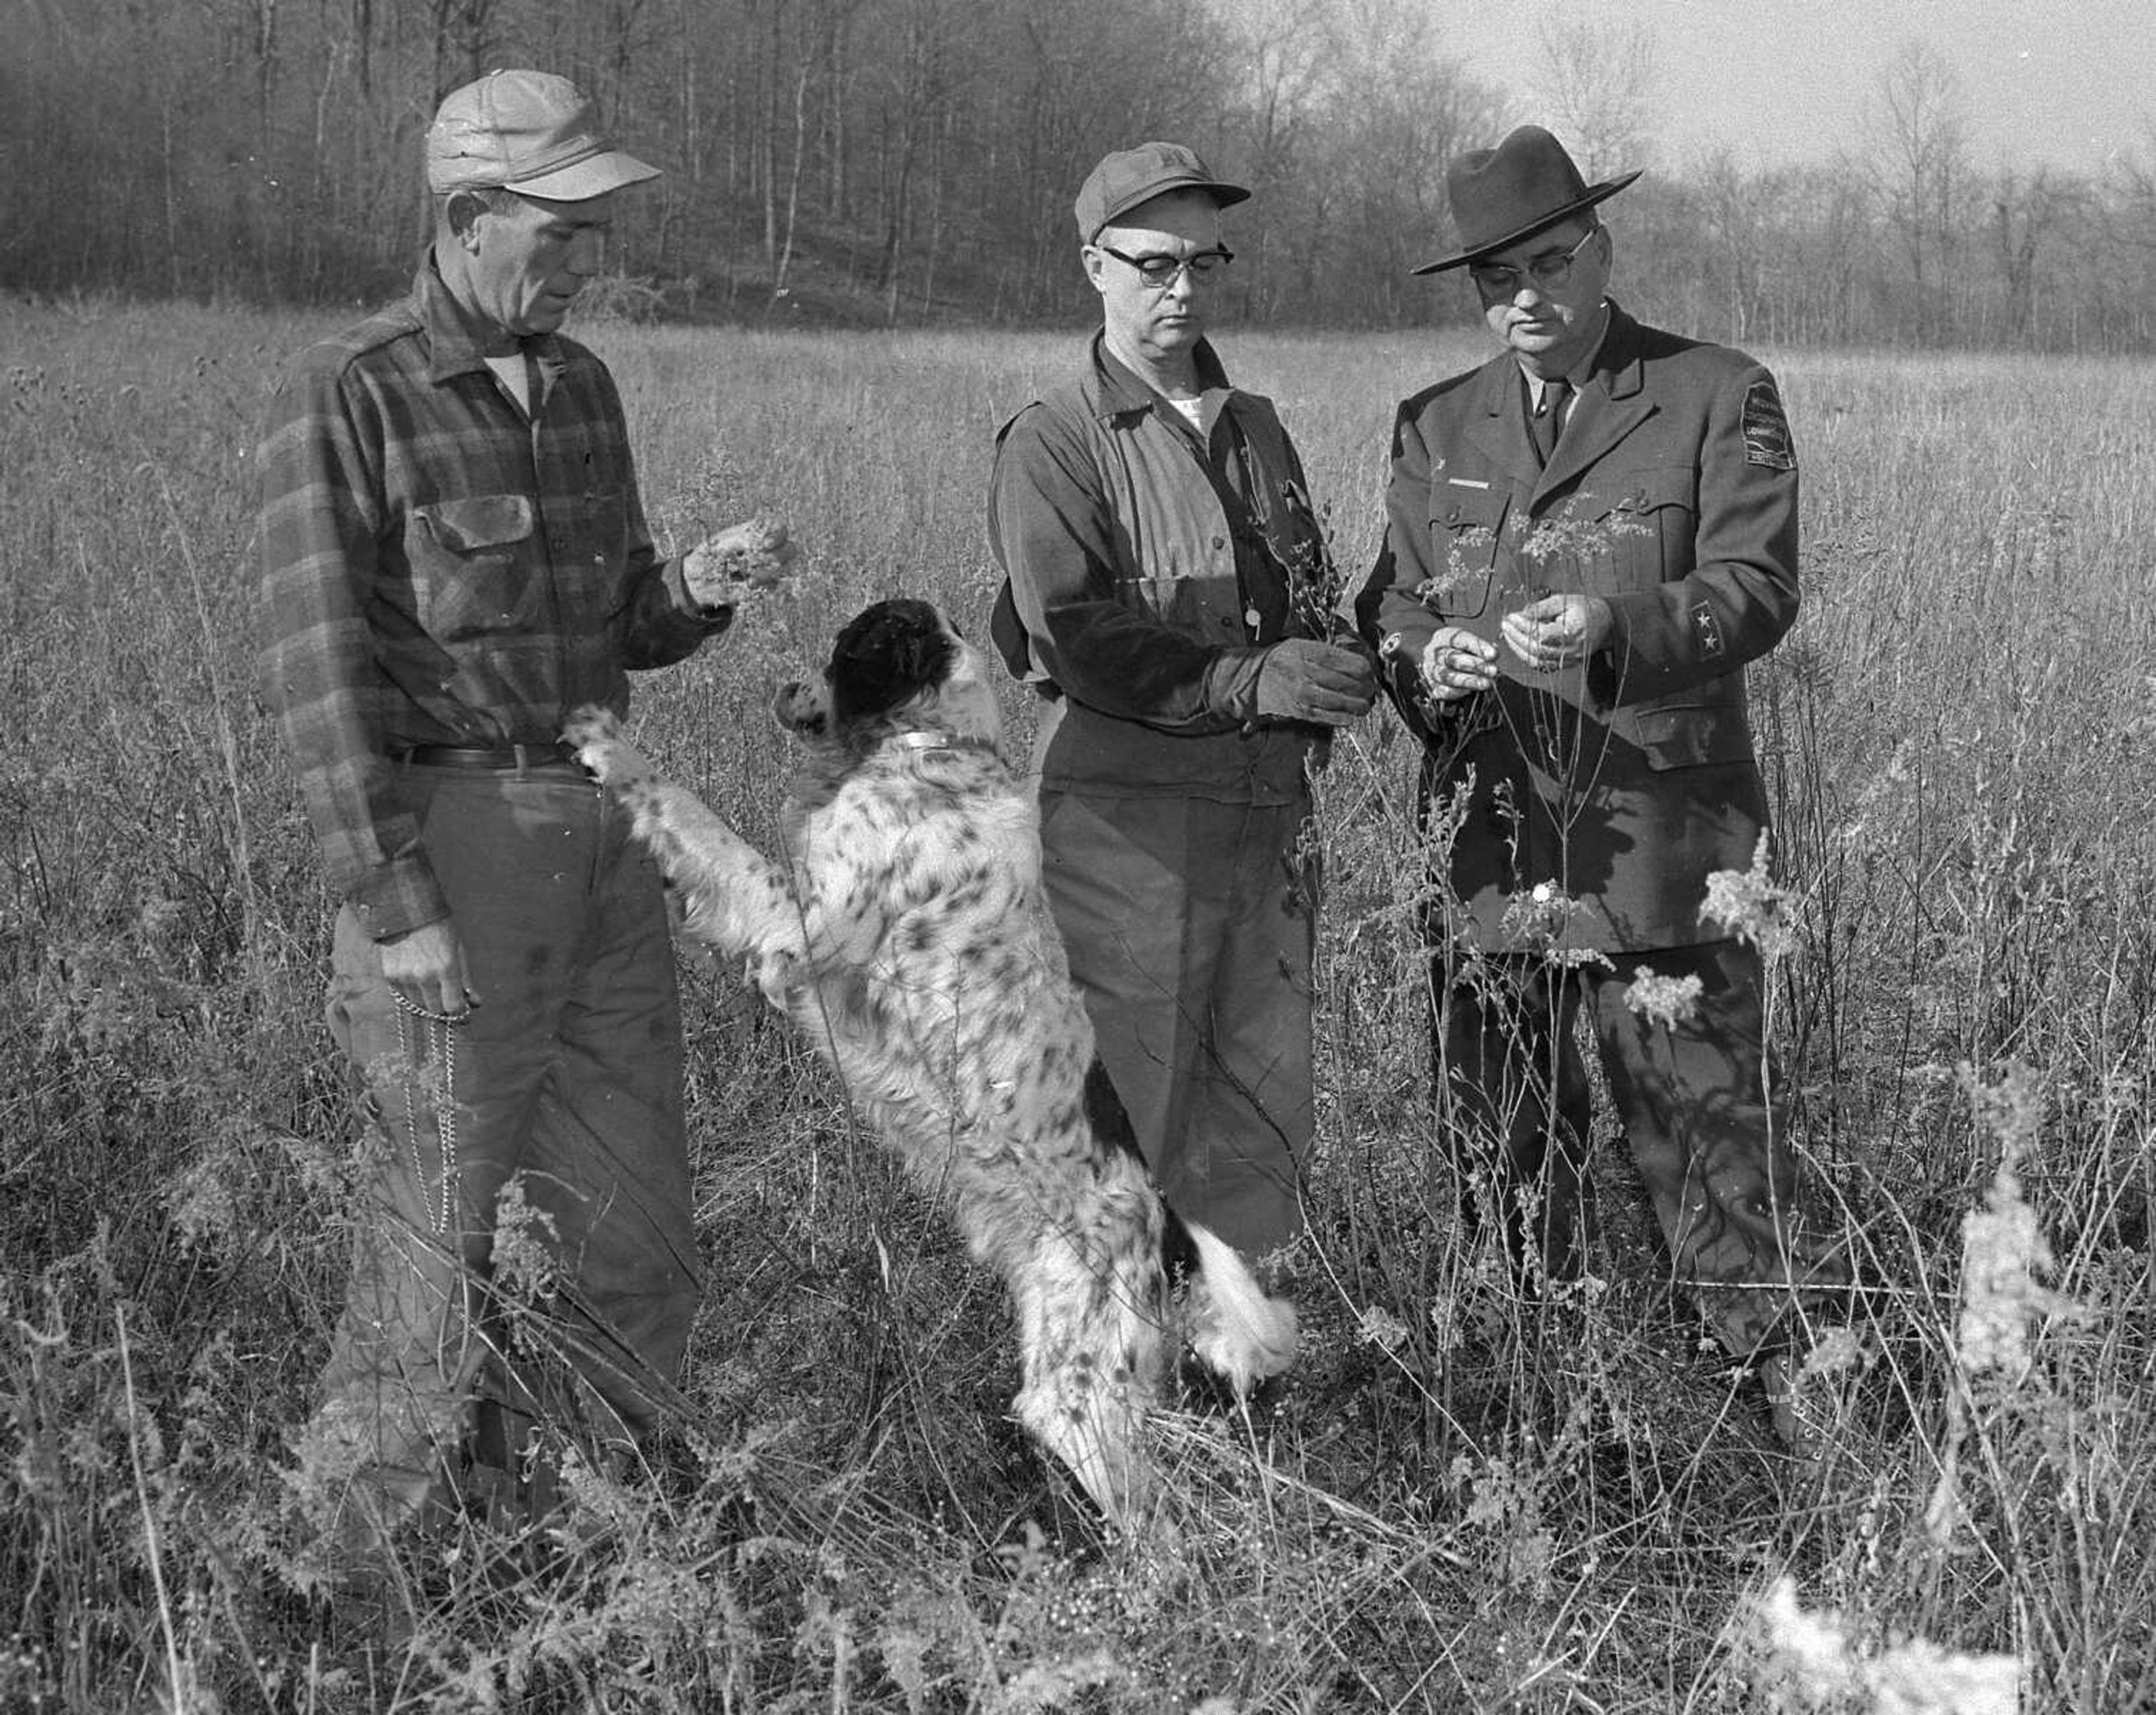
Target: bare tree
x,y
463,35
2133,179
2028,213
1827,221
1922,129
1597,81
1286,45
1732,209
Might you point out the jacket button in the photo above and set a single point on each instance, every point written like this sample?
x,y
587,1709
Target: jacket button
x,y
1219,542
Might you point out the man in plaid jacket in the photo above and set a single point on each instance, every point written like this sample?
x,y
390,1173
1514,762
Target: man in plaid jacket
x,y
454,557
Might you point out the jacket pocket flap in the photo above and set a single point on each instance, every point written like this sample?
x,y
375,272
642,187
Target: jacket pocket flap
x,y
1689,736
478,520
1467,526
1454,506
1650,491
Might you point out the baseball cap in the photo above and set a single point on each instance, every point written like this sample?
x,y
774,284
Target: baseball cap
x,y
1130,177
527,131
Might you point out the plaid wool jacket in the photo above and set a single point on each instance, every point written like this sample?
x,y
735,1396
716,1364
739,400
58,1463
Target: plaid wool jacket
x,y
438,568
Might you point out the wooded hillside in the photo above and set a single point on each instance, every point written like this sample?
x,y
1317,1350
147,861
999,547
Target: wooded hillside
x,y
900,161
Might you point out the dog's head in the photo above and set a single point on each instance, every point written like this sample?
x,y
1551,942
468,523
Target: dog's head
x,y
898,665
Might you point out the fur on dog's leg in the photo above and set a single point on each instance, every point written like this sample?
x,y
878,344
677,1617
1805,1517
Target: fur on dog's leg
x,y
733,897
1238,1332
1084,1400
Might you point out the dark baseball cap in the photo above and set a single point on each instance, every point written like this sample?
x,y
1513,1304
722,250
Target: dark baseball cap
x,y
1130,177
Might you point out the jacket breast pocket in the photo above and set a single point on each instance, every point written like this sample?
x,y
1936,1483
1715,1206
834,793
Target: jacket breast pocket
x,y
1466,530
1693,734
1647,531
470,572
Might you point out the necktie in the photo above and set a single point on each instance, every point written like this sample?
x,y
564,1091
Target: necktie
x,y
1543,425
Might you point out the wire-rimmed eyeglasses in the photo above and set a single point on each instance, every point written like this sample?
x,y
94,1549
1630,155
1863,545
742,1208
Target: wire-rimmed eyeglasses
x,y
1549,271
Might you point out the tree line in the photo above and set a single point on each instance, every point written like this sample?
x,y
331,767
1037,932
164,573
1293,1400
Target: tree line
x,y
902,161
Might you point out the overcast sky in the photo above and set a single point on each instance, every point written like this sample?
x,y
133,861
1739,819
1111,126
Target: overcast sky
x,y
2066,81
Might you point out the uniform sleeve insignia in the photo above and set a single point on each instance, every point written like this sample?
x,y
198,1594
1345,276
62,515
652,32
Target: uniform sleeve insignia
x,y
1767,428
1706,631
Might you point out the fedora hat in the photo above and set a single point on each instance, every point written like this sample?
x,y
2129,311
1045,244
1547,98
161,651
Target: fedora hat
x,y
1502,195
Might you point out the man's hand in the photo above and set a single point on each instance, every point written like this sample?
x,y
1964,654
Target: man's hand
x,y
756,552
426,966
1323,683
1558,631
1456,663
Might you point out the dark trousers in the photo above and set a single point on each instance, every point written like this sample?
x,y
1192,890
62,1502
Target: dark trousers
x,y
1190,927
1693,1103
565,1083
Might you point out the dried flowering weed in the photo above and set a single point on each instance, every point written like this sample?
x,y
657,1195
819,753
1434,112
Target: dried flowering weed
x,y
1749,905
1667,1001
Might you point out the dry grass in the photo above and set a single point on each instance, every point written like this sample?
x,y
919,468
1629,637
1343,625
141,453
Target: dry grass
x,y
1455,1504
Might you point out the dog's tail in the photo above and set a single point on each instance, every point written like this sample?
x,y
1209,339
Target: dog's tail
x,y
1241,1335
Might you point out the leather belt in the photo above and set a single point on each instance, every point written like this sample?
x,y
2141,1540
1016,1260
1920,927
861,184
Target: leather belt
x,y
508,759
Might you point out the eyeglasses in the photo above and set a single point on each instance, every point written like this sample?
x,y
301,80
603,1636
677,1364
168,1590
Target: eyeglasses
x,y
1161,270
1550,269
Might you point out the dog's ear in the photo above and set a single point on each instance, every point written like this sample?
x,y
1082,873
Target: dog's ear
x,y
887,655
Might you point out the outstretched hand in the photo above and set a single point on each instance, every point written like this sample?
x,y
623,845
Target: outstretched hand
x,y
756,552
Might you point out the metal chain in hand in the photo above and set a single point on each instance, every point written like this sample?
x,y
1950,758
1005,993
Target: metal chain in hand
x,y
441,1035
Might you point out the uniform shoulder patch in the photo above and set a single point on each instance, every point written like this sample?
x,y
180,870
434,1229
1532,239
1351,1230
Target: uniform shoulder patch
x,y
1766,428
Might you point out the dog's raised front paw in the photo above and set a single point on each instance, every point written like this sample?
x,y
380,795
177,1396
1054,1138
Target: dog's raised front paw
x,y
594,733
594,723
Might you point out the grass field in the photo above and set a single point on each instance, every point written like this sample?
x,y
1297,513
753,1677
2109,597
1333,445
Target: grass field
x,y
1457,1504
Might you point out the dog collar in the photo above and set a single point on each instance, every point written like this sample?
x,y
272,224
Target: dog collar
x,y
922,740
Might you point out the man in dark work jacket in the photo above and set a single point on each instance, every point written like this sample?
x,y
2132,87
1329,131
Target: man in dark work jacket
x,y
1586,540
1165,596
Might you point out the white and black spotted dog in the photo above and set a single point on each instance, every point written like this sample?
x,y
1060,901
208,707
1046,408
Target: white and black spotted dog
x,y
906,933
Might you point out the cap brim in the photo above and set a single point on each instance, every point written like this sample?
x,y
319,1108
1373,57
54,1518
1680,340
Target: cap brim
x,y
1223,194
1541,223
580,181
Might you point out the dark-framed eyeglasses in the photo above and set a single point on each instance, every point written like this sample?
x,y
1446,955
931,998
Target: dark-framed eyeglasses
x,y
1550,269
1160,270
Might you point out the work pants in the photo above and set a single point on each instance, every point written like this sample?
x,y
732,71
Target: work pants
x,y
1692,1104
567,1078
1189,927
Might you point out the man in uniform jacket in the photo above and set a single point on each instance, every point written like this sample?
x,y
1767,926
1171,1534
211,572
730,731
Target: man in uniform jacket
x,y
1587,538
